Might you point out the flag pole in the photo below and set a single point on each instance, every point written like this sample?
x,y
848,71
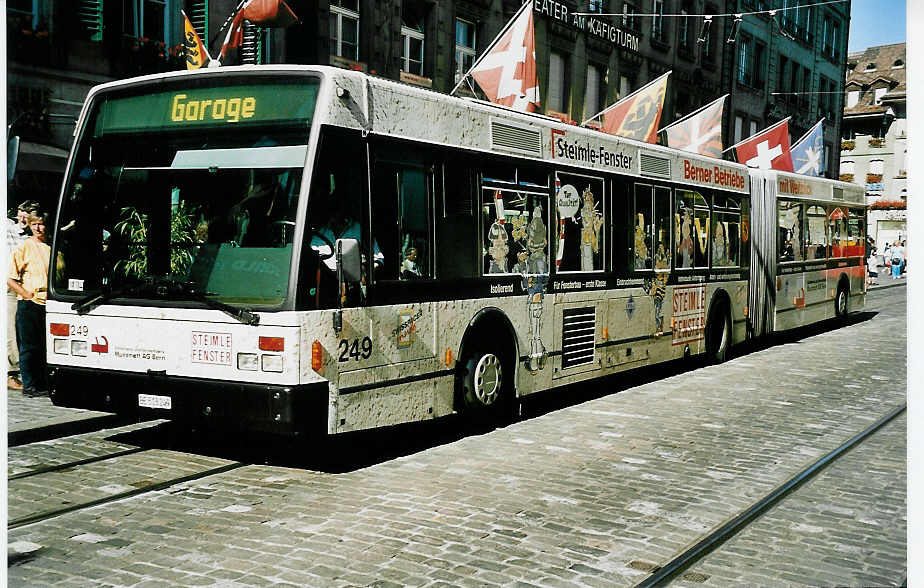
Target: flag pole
x,y
768,129
692,114
620,101
808,132
228,20
491,45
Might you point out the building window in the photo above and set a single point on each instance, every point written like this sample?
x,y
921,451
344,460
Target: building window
x,y
144,18
465,47
878,93
592,95
781,74
624,87
684,29
558,75
752,128
875,167
744,52
759,68
628,20
412,37
344,28
853,97
657,22
596,6
739,128
26,10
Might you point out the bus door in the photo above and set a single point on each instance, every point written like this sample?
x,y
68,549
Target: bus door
x,y
816,254
790,283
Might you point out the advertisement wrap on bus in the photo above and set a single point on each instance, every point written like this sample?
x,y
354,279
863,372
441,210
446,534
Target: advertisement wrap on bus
x,y
309,250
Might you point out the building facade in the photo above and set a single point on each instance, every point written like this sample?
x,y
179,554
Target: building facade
x,y
790,64
874,146
589,54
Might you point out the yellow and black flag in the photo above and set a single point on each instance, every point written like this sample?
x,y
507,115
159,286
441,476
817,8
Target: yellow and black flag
x,y
196,53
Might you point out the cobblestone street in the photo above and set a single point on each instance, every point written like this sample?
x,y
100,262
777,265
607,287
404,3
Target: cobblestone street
x,y
597,492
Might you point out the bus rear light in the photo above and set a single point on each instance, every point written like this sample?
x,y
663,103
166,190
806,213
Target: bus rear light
x,y
248,361
317,356
448,357
59,329
271,363
62,346
272,344
79,348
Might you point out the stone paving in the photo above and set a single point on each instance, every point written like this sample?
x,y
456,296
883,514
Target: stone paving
x,y
594,494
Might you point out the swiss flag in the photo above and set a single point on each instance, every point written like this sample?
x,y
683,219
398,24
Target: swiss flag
x,y
768,149
507,72
264,13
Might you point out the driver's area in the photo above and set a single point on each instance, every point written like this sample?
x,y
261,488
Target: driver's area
x,y
337,209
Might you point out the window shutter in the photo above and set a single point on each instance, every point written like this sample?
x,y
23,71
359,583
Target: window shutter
x,y
592,93
199,17
556,82
90,17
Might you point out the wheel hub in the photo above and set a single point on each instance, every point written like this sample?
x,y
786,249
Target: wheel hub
x,y
487,379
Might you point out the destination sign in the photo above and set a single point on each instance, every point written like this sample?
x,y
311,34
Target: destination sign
x,y
213,106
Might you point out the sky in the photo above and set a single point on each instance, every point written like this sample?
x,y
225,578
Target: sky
x,y
876,22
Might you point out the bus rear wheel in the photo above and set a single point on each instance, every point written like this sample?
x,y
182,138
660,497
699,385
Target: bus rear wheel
x,y
718,340
840,302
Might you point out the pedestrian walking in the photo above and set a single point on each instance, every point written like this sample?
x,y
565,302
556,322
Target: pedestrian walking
x,y
16,233
897,255
872,268
28,277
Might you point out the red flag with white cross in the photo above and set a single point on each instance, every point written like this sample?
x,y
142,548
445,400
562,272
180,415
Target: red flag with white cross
x,y
768,149
507,71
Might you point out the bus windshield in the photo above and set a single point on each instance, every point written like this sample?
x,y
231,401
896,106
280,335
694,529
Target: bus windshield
x,y
193,185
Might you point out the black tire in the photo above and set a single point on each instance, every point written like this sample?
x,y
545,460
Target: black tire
x,y
719,335
841,302
486,385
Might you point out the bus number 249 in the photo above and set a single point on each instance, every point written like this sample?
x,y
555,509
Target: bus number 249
x,y
356,349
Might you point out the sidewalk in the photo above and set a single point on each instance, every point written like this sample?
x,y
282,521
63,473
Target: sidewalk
x,y
36,419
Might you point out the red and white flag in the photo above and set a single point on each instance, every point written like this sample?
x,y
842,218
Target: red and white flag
x,y
507,70
768,149
637,115
263,13
699,132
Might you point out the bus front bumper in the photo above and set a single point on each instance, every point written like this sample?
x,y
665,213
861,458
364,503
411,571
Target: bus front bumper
x,y
285,410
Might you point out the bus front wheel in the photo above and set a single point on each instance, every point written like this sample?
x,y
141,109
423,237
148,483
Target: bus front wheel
x,y
486,384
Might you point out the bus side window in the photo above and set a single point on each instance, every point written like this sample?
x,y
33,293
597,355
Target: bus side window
x,y
401,220
816,233
579,225
457,226
726,235
643,220
789,225
662,211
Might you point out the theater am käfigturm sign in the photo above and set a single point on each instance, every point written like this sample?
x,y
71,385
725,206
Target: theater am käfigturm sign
x,y
589,24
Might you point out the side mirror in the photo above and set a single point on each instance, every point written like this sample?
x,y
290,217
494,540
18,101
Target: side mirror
x,y
349,261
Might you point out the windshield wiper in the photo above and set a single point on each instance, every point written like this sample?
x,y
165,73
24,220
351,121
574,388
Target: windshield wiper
x,y
84,305
172,288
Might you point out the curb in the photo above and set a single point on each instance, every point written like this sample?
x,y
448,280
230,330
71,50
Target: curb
x,y
895,284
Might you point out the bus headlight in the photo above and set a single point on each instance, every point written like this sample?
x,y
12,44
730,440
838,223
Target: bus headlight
x,y
79,348
271,363
248,361
61,346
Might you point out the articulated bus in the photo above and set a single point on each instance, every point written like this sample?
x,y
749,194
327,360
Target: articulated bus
x,y
305,249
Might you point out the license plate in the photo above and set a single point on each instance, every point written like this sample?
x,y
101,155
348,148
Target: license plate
x,y
152,401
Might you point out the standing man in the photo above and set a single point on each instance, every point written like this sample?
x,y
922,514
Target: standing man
x,y
17,232
28,277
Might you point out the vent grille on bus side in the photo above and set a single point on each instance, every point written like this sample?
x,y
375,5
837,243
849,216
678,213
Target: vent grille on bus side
x,y
578,335
655,166
516,138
